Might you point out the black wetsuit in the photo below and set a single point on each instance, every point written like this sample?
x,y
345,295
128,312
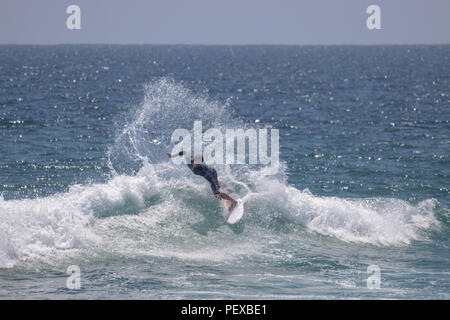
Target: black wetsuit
x,y
207,172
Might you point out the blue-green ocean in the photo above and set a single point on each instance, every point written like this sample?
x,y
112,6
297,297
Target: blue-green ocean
x,y
363,182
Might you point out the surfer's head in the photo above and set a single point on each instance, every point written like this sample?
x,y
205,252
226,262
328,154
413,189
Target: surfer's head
x,y
197,160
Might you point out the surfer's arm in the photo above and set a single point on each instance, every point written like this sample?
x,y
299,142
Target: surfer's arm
x,y
175,154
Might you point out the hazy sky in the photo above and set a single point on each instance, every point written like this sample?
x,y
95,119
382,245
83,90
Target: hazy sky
x,y
225,21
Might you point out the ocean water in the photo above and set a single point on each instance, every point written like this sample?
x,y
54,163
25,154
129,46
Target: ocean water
x,y
364,175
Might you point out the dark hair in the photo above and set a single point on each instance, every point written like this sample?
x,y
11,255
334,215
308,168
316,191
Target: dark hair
x,y
193,159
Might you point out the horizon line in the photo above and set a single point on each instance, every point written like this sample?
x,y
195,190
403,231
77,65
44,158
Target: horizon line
x,y
226,44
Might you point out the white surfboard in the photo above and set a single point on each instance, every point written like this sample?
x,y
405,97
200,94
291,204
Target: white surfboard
x,y
235,215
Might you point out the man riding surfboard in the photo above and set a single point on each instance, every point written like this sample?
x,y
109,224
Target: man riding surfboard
x,y
197,166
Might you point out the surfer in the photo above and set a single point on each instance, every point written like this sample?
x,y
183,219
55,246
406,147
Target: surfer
x,y
209,173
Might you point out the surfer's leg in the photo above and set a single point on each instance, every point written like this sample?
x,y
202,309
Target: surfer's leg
x,y
214,182
223,195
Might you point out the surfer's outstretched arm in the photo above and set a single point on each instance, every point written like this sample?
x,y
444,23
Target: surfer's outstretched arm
x,y
175,154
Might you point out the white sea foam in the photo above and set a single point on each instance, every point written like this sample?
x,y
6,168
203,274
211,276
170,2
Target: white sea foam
x,y
378,221
38,227
117,212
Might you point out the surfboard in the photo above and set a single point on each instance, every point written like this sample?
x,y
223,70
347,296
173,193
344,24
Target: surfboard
x,y
237,213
